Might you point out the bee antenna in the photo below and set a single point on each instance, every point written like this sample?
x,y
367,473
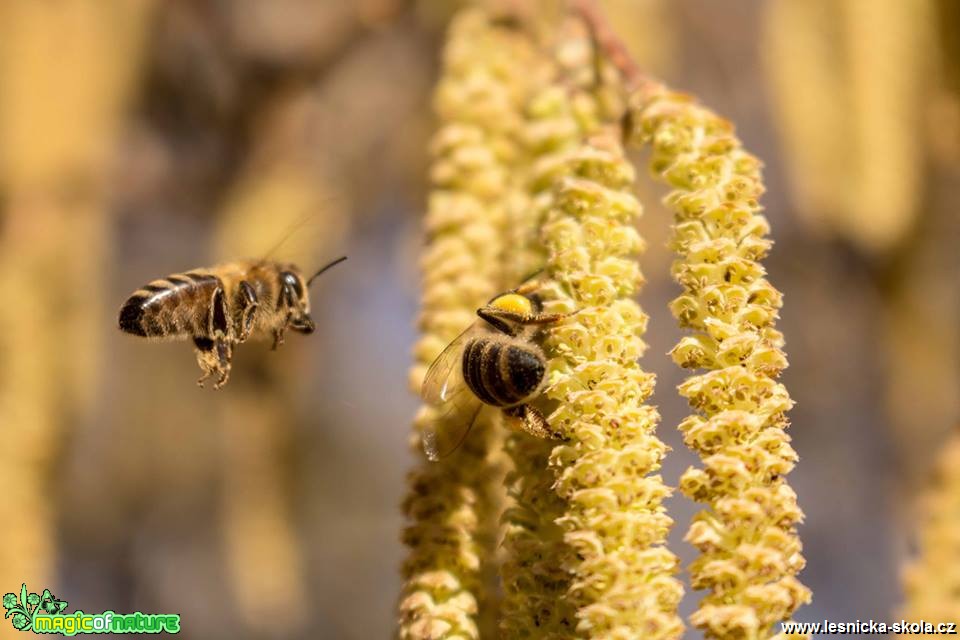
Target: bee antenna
x,y
322,269
531,276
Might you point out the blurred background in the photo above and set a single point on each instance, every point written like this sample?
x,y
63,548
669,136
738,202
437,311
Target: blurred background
x,y
143,138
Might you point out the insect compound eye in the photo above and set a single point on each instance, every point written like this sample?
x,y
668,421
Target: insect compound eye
x,y
291,280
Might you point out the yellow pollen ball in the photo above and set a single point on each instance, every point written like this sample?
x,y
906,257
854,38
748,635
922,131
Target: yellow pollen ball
x,y
514,303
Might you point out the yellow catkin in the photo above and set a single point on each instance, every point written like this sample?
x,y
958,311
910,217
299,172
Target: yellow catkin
x,y
622,574
891,47
851,86
599,567
810,100
451,503
66,73
750,551
932,581
535,580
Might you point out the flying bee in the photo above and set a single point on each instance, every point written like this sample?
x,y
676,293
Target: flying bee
x,y
497,361
223,306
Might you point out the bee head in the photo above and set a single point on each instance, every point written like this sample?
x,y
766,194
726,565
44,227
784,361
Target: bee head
x,y
293,294
515,303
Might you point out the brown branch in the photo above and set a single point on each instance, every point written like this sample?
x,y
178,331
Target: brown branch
x,y
606,39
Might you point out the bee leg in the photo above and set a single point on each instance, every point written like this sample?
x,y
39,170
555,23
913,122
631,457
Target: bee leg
x,y
214,358
247,305
533,422
206,358
503,321
532,285
224,357
203,378
544,318
278,337
498,319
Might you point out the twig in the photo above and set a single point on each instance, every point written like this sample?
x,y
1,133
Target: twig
x,y
610,44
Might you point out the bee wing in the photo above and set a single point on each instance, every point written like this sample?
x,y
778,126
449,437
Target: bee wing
x,y
446,391
447,431
445,376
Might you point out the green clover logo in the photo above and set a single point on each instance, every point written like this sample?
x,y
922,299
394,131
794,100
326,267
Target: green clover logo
x,y
24,608
21,622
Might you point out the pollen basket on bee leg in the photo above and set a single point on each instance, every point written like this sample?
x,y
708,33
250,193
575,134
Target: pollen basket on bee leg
x,y
513,303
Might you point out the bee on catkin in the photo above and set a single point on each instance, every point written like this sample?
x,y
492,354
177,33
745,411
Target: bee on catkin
x,y
498,362
222,306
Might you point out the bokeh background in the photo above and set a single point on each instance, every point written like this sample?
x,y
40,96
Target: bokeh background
x,y
140,138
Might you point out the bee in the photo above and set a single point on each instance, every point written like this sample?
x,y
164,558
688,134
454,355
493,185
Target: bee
x,y
223,306
497,361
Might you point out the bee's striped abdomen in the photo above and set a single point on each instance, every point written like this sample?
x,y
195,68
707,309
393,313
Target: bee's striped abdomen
x,y
178,306
501,374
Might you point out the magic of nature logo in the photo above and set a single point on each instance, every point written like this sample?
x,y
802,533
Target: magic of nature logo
x,y
45,613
